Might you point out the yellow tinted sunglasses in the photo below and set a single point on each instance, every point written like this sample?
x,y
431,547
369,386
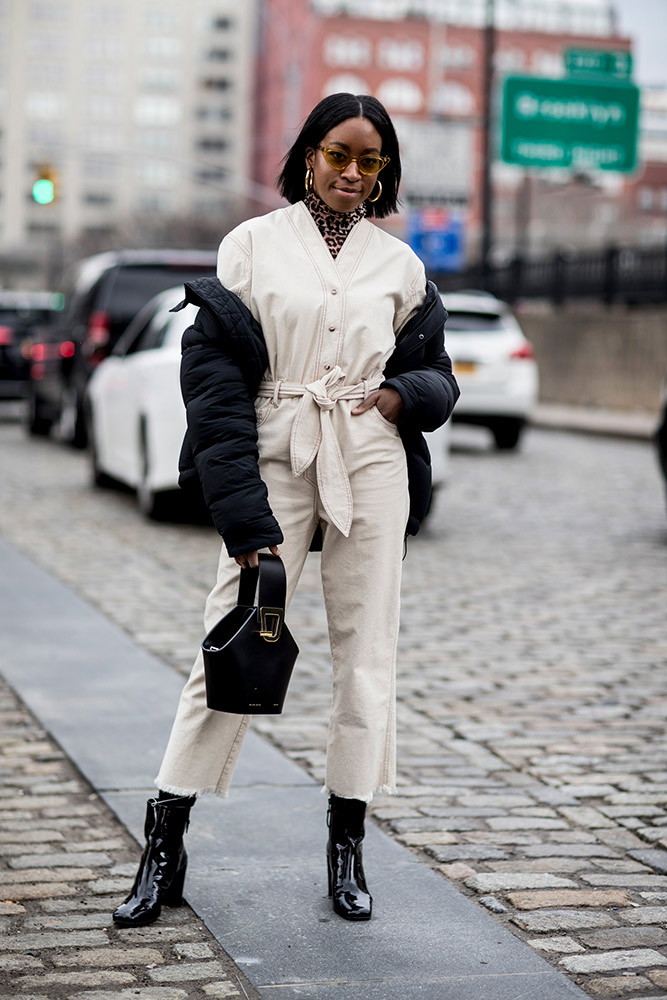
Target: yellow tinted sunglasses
x,y
369,163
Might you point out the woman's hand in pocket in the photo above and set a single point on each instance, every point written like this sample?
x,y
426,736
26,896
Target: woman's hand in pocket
x,y
388,402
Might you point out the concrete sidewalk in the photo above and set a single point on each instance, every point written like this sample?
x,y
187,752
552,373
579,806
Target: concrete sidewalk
x,y
595,420
257,875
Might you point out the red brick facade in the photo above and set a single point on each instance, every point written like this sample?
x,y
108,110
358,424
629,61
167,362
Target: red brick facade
x,y
422,71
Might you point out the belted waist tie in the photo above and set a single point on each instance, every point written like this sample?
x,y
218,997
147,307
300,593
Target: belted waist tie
x,y
313,438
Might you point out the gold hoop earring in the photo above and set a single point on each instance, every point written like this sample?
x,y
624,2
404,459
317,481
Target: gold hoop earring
x,y
309,180
378,195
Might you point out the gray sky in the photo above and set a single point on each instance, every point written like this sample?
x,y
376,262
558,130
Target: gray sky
x,y
646,22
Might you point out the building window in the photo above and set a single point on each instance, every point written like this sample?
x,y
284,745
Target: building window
x,y
99,76
99,232
509,59
159,79
162,48
100,108
154,203
547,63
45,136
210,175
43,229
341,50
663,199
97,198
158,173
209,145
222,23
161,20
219,55
100,168
401,95
212,113
42,11
104,14
645,199
44,74
456,57
452,99
348,83
157,111
216,83
44,106
400,56
101,139
46,45
104,47
158,141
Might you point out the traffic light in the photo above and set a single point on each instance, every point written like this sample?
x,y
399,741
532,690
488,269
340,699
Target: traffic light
x,y
45,186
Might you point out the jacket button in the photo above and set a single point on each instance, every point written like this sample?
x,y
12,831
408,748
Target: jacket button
x,y
334,291
332,328
327,368
421,336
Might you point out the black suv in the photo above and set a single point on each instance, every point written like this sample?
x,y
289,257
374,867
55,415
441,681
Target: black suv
x,y
20,313
103,294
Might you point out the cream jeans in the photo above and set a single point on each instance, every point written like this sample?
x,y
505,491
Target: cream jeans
x,y
361,577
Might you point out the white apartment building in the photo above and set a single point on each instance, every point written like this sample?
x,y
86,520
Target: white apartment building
x,y
139,106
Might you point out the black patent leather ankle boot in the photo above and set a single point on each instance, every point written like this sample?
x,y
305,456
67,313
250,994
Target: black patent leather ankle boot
x,y
161,874
347,882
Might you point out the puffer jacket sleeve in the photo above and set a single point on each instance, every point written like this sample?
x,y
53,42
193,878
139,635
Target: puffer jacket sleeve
x,y
222,434
428,388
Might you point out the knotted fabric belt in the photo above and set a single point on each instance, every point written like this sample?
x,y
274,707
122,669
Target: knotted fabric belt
x,y
313,438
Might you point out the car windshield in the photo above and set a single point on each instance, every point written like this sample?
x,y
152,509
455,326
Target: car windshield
x,y
127,289
475,322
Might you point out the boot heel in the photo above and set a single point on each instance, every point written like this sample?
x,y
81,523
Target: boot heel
x,y
174,895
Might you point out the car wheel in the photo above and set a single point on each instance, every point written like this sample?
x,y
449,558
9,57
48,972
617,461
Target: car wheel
x,y
156,505
507,433
99,478
36,423
72,420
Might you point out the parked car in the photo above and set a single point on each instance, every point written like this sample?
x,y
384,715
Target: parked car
x,y
661,433
103,294
20,315
494,365
134,409
136,417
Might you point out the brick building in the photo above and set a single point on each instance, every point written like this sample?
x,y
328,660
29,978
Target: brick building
x,y
427,68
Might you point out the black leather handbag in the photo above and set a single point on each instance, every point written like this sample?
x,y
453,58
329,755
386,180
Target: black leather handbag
x,y
249,655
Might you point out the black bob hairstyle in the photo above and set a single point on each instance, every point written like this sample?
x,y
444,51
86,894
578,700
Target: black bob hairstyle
x,y
326,115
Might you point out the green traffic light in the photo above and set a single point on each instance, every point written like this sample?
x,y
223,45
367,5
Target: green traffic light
x,y
43,191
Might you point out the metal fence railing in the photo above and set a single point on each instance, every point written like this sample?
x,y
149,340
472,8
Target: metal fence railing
x,y
616,274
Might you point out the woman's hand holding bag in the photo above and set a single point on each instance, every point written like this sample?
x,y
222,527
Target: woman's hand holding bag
x,y
249,655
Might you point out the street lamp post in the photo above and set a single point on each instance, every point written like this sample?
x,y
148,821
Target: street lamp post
x,y
487,150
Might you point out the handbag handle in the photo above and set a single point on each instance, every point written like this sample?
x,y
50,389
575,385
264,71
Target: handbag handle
x,y
272,594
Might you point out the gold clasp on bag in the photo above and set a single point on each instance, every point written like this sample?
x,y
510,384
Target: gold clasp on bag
x,y
270,623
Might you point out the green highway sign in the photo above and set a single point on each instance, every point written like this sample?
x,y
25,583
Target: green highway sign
x,y
617,64
575,123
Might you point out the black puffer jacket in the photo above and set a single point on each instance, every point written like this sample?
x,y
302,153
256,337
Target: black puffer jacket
x,y
224,358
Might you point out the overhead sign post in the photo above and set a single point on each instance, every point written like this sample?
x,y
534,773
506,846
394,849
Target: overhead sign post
x,y
577,123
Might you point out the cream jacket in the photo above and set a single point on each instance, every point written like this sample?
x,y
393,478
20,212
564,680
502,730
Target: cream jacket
x,y
317,312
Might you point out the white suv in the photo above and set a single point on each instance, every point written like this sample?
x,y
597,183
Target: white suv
x,y
494,365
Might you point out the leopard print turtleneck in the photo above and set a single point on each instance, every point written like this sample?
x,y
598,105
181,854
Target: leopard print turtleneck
x,y
335,227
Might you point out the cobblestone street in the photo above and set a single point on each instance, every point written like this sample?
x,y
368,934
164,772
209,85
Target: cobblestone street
x,y
532,690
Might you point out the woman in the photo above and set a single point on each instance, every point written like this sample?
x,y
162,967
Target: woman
x,y
306,401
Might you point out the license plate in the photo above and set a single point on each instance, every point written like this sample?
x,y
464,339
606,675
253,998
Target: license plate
x,y
464,367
